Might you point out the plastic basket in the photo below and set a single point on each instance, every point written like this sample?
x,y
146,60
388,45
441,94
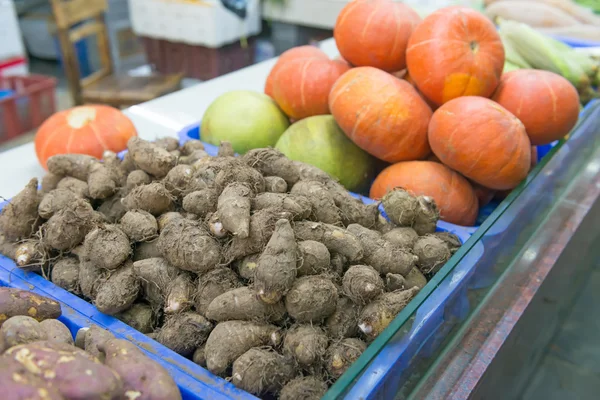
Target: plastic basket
x,y
27,102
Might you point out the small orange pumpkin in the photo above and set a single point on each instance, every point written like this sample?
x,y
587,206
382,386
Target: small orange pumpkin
x,y
546,103
90,129
455,51
375,33
452,193
482,140
383,115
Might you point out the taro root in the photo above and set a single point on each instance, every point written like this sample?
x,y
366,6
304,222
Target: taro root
x,y
313,258
427,216
305,388
150,157
243,304
311,299
400,207
342,354
119,291
68,227
213,284
139,226
153,197
343,323
362,284
307,344
107,247
259,371
19,218
184,332
323,204
433,253
139,316
65,274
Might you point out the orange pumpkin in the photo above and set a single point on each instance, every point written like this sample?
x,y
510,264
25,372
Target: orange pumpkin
x,y
454,52
482,140
546,103
484,195
295,52
90,129
452,193
375,33
383,115
301,86
502,194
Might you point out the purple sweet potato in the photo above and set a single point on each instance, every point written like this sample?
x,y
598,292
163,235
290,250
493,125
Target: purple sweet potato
x,y
68,227
307,344
93,338
19,218
65,274
179,294
213,284
378,314
260,371
242,304
54,201
342,354
381,254
154,198
305,388
139,226
15,302
230,339
323,204
18,384
150,157
107,247
74,165
233,208
184,332
119,291
312,298
276,269
337,240
74,373
142,377
187,245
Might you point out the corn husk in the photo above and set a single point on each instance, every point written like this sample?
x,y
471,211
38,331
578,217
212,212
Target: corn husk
x,y
510,66
513,56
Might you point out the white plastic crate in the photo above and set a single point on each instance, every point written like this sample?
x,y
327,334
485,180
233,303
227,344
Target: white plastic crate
x,y
323,13
202,22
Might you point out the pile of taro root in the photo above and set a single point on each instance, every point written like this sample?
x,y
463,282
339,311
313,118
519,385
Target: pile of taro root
x,y
259,268
39,359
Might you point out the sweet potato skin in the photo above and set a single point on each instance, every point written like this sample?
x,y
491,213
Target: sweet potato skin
x,y
56,331
141,376
21,302
21,329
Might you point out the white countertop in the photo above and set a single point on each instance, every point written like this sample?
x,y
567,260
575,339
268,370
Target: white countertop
x,y
165,116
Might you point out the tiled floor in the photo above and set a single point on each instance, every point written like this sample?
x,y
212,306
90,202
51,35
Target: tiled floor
x,y
571,368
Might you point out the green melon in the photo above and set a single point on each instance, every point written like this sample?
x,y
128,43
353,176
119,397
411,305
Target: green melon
x,y
319,141
247,119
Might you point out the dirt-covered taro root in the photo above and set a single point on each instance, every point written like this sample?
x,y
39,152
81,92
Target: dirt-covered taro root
x,y
187,245
184,332
305,388
427,216
74,165
213,284
136,178
451,240
190,146
415,278
243,304
259,371
230,339
272,162
139,316
155,275
298,205
307,344
65,274
145,250
49,182
178,179
15,302
179,294
21,329
167,143
238,172
56,331
352,210
246,266
405,237
107,247
225,150
153,197
112,209
77,187
165,219
103,181
337,240
378,314
90,278
142,377
311,299
362,284
343,323
19,218
400,207
276,269
323,204
233,208
201,202
433,253
262,225
275,184
68,227
54,201
395,282
139,225
381,254
342,354
313,258
119,291
30,255
151,157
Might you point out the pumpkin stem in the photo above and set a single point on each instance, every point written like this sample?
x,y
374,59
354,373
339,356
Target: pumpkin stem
x,y
474,46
